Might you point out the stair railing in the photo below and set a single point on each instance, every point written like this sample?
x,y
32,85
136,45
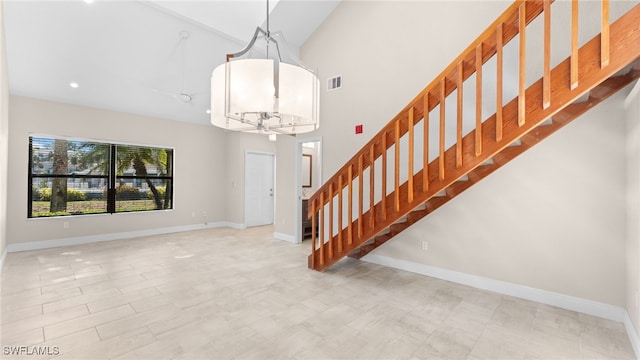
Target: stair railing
x,y
345,216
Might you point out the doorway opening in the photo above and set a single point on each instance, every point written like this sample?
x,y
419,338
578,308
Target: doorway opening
x,y
308,180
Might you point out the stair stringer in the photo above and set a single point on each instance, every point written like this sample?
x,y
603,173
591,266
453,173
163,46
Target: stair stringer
x,y
624,50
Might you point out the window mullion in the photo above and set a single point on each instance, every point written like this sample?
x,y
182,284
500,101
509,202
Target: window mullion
x,y
30,189
111,189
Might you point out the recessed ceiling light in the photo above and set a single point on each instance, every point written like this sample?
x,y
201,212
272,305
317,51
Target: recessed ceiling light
x,y
88,1
208,111
74,84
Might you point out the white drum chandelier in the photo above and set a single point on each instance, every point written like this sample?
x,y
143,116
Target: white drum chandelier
x,y
264,95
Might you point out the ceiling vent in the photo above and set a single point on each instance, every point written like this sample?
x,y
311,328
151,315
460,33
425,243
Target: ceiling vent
x,y
334,83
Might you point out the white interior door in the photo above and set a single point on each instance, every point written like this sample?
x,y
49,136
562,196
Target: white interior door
x,y
259,188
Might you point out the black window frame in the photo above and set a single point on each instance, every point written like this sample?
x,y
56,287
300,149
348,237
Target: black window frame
x,y
110,178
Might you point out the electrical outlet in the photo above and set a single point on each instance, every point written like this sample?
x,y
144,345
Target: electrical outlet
x,y
193,214
425,245
65,224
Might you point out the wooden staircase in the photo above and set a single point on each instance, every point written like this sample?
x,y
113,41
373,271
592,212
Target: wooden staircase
x,y
383,190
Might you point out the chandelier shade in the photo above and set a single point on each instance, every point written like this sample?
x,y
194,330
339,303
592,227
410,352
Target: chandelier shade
x,y
265,96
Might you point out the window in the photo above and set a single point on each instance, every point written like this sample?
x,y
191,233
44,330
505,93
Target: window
x,y
73,177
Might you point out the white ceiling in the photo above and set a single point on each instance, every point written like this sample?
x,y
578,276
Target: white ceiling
x,y
128,56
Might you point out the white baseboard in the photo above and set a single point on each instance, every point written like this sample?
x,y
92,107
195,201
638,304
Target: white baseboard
x,y
235,225
584,306
285,237
46,244
632,334
3,258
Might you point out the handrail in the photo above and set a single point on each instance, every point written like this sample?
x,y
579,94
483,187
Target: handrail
x,y
509,24
488,37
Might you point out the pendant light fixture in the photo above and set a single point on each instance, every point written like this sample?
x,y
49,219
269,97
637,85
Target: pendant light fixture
x,y
265,90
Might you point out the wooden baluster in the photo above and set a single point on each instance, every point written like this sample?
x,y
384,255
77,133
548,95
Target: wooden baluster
x,y
330,220
313,234
604,36
321,209
372,173
442,101
396,192
410,170
478,137
425,145
340,205
350,208
499,45
522,26
574,44
360,194
459,113
546,79
383,203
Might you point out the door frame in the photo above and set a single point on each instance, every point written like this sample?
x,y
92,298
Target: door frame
x,y
273,156
297,198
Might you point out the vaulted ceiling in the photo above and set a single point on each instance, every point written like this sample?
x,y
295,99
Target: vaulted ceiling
x,y
139,56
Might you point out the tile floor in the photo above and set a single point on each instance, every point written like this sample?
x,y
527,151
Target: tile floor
x,y
227,294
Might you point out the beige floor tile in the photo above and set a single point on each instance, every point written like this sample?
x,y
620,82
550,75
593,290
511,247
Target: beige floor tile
x,y
226,294
558,322
74,282
20,314
10,296
47,319
26,338
543,345
78,300
514,315
184,317
447,342
125,323
499,344
109,283
468,317
153,302
108,302
21,303
606,340
11,292
112,348
87,321
71,342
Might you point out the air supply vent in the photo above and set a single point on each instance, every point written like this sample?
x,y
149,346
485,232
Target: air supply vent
x,y
334,83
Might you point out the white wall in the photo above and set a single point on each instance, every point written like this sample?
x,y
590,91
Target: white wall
x,y
286,197
632,249
237,145
200,163
387,52
4,139
553,219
